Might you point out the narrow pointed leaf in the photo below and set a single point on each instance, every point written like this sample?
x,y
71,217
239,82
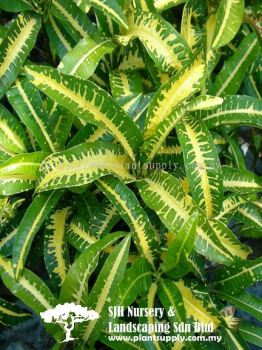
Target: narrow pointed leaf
x,y
78,234
228,20
55,249
202,164
83,164
163,43
35,215
163,193
235,110
20,173
27,102
112,9
11,314
75,285
181,246
87,101
83,59
15,47
181,86
240,181
104,288
232,280
13,138
134,215
249,214
244,301
162,5
229,79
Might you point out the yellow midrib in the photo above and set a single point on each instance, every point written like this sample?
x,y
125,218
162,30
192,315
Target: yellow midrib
x,y
15,46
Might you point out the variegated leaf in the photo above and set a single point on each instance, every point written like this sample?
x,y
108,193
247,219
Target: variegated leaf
x,y
88,102
83,164
163,193
15,47
35,215
202,164
104,288
164,44
234,279
11,314
27,102
55,249
235,110
195,307
181,86
74,20
125,83
228,20
162,5
20,173
134,215
112,9
229,79
83,59
240,181
13,138
75,285
78,235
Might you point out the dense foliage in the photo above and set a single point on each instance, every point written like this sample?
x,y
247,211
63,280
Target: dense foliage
x,y
129,164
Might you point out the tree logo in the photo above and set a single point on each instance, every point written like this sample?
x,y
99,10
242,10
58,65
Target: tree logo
x,y
68,314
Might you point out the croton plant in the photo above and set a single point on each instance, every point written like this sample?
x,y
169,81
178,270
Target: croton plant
x,y
124,176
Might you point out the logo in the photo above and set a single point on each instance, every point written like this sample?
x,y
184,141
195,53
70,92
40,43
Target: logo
x,y
68,315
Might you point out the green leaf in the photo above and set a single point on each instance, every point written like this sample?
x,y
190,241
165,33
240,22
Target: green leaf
x,y
202,164
11,314
55,249
59,40
235,110
88,102
230,205
78,235
193,21
35,215
15,6
163,43
112,9
228,20
228,80
27,102
251,333
163,193
229,240
29,288
200,310
249,214
75,285
83,59
171,297
244,301
105,219
183,243
133,214
105,287
74,20
13,138
125,83
232,340
83,164
232,280
20,173
240,181
15,47
162,5
135,283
